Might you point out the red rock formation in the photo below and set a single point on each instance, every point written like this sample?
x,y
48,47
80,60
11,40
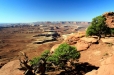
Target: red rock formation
x,y
72,40
109,19
89,39
106,68
82,45
11,68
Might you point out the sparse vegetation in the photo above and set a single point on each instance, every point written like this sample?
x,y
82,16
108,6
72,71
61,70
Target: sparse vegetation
x,y
35,60
98,27
65,52
45,53
112,31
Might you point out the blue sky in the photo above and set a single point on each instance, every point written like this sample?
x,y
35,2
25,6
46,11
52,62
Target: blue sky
x,y
16,11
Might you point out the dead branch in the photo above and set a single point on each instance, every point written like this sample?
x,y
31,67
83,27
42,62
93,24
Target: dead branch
x,y
24,62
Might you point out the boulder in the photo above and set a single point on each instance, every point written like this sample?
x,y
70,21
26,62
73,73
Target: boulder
x,y
72,40
11,68
82,45
89,39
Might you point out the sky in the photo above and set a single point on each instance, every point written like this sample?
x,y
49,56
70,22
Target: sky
x,y
24,11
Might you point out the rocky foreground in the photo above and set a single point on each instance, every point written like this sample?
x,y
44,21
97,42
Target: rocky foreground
x,y
106,68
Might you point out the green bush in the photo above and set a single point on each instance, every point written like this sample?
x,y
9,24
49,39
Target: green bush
x,y
64,51
97,27
112,31
35,60
45,53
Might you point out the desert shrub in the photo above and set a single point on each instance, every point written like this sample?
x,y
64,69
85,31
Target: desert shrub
x,y
64,51
112,31
97,27
45,53
35,60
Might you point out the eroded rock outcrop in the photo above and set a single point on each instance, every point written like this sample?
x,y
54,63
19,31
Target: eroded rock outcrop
x,y
11,68
106,68
109,19
82,45
89,40
74,38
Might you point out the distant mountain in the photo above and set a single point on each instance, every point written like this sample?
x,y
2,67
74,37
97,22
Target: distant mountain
x,y
64,22
47,23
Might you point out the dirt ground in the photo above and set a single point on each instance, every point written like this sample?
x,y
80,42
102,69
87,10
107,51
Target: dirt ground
x,y
96,53
11,45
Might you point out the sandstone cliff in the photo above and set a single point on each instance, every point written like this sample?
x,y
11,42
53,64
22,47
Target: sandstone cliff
x,y
109,19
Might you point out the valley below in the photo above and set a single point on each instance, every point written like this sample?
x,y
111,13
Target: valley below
x,y
14,40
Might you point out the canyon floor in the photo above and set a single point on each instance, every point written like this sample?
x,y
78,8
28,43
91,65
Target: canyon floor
x,y
11,46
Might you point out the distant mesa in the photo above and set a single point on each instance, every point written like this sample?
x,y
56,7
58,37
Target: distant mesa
x,y
46,23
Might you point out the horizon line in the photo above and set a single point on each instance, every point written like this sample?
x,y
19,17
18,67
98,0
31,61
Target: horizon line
x,y
45,21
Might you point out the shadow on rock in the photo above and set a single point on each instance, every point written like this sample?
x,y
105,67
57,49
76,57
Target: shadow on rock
x,y
80,69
